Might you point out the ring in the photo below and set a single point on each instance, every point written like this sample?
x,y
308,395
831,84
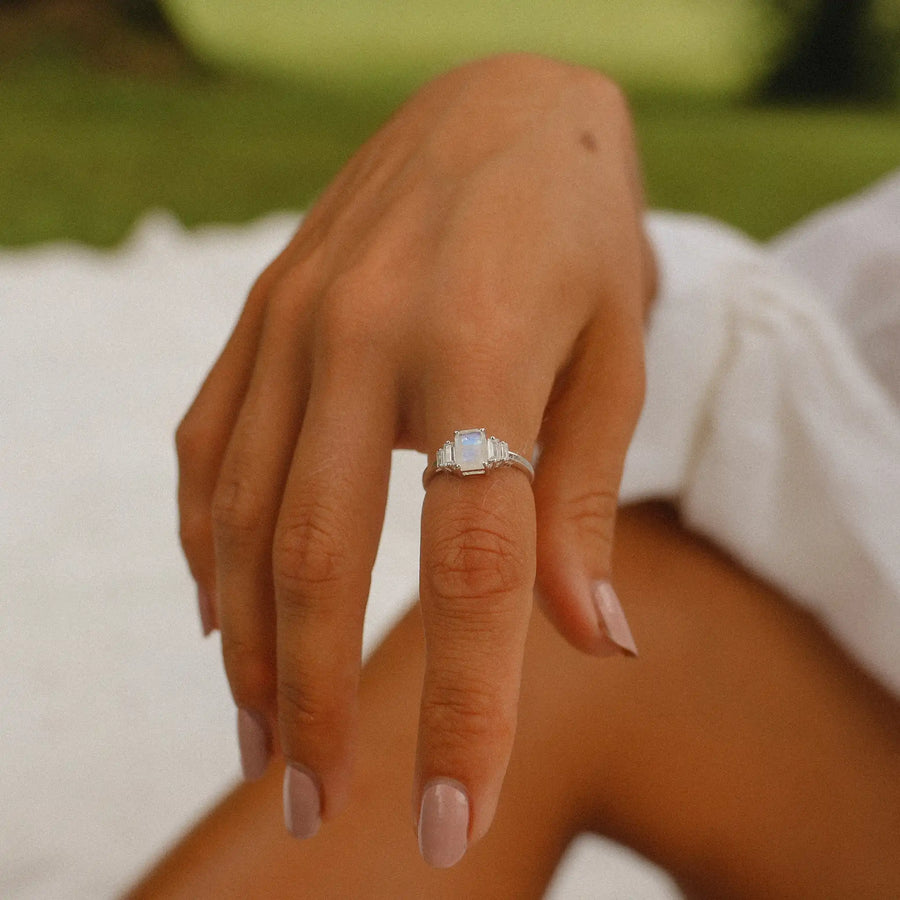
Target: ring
x,y
471,452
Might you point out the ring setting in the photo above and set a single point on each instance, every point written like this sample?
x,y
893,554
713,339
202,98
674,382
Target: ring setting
x,y
472,452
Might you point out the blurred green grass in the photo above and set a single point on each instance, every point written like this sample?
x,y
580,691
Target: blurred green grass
x,y
760,169
86,152
83,152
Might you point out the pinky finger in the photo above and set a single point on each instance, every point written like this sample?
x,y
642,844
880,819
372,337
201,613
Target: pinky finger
x,y
585,439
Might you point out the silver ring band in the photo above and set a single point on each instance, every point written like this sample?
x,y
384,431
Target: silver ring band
x,y
472,452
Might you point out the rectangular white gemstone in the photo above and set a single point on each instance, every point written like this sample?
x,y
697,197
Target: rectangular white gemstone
x,y
470,450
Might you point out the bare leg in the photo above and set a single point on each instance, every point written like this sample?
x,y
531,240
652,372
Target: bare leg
x,y
742,751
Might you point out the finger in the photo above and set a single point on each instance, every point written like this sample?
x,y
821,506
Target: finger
x,y
244,512
324,549
476,583
202,437
584,441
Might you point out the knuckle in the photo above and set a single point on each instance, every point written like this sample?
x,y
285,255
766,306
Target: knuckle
x,y
472,557
493,342
592,514
265,282
342,328
302,710
238,510
466,712
251,673
353,322
288,302
191,440
309,552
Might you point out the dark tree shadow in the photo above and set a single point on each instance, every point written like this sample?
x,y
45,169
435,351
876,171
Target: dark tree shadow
x,y
836,51
129,36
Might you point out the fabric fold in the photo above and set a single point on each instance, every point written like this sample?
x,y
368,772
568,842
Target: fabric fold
x,y
771,432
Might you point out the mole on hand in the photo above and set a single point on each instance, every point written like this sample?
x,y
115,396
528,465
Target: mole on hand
x,y
588,141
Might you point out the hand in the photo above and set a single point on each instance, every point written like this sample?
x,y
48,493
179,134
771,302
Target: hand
x,y
479,263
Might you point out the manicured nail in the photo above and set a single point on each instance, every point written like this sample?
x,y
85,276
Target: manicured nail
x,y
443,823
302,803
207,613
255,743
613,624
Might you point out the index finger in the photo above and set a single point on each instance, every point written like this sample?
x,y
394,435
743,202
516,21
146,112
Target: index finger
x,y
477,579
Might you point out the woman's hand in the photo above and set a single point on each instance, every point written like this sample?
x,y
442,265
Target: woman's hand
x,y
479,263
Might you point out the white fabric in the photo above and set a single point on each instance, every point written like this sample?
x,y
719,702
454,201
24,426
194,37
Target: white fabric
x,y
116,728
766,421
850,255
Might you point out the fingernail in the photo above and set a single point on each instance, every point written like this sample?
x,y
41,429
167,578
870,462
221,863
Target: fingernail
x,y
207,613
443,823
302,803
255,743
617,635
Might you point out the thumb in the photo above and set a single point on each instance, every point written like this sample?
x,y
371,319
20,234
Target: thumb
x,y
585,436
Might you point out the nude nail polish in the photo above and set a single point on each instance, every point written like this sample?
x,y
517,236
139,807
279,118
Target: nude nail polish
x,y
302,802
207,612
617,637
255,743
443,823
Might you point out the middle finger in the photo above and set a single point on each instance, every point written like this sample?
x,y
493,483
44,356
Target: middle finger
x,y
476,584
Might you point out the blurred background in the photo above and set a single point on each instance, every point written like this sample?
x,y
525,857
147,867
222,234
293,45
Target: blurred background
x,y
754,111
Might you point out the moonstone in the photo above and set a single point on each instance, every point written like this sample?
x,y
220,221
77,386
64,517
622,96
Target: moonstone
x,y
470,451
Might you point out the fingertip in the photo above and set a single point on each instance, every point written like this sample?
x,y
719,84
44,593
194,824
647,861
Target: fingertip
x,y
207,608
443,828
254,742
302,795
585,609
577,508
616,636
